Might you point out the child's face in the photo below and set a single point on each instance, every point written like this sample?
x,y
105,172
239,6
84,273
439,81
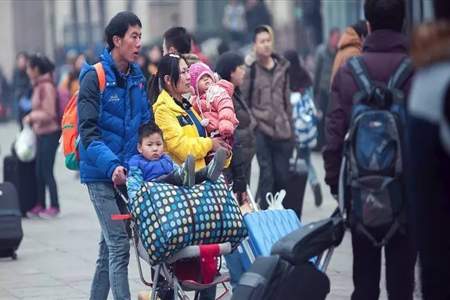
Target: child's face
x,y
203,84
152,146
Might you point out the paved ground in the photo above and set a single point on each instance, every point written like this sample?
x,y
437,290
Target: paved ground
x,y
57,257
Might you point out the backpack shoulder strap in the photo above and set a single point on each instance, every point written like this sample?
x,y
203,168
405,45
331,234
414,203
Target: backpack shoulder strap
x,y
360,73
100,75
252,83
401,74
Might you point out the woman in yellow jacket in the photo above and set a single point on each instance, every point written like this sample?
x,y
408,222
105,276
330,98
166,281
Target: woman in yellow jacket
x,y
181,126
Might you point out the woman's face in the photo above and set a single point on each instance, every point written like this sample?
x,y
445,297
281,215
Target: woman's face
x,y
32,73
79,62
21,62
183,86
237,76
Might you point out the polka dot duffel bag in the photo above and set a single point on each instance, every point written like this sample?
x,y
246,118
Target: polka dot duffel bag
x,y
171,217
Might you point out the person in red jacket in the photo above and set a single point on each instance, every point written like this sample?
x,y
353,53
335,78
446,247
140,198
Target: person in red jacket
x,y
383,51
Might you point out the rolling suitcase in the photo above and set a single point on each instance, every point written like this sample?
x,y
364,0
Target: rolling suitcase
x,y
23,176
265,228
295,189
10,221
297,265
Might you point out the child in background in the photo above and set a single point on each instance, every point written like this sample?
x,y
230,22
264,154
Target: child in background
x,y
158,167
212,100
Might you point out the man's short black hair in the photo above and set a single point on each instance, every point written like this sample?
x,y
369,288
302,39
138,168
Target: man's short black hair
x,y
259,29
148,129
119,25
179,38
385,14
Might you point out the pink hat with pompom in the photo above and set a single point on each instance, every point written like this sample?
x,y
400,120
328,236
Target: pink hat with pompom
x,y
196,71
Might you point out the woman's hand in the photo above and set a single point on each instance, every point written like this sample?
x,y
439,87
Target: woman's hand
x,y
219,143
26,119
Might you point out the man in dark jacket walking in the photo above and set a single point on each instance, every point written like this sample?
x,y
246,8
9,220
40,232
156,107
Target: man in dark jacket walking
x,y
383,51
266,88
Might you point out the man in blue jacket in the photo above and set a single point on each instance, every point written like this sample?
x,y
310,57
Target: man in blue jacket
x,y
108,125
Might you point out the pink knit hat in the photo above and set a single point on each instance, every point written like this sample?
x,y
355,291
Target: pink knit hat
x,y
196,71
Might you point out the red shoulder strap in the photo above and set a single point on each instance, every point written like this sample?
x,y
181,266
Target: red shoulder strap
x,y
101,76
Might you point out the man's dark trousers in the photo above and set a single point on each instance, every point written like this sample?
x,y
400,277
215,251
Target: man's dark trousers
x,y
400,258
273,159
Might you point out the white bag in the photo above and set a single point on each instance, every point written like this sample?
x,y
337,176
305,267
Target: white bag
x,y
276,202
25,145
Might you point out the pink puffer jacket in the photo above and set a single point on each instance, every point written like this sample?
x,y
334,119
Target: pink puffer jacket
x,y
44,115
216,105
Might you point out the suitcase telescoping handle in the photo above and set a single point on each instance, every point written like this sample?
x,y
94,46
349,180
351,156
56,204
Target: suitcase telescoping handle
x,y
253,204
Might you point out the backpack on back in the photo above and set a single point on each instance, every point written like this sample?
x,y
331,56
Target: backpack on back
x,y
373,166
69,124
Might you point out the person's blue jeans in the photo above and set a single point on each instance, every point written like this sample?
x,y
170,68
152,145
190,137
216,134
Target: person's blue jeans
x,y
114,254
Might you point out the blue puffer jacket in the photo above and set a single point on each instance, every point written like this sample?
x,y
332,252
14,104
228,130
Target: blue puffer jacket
x,y
152,169
108,122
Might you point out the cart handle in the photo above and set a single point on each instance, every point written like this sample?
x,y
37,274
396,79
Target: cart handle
x,y
121,217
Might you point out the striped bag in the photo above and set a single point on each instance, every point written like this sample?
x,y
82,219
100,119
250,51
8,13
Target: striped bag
x,y
305,118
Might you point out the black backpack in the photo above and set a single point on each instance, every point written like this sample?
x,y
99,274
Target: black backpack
x,y
372,170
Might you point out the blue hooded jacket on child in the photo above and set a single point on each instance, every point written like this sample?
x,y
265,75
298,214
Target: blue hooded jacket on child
x,y
152,169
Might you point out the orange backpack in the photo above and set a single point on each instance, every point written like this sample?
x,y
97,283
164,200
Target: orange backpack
x,y
69,124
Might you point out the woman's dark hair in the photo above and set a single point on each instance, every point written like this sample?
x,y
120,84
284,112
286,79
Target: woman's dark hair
x,y
227,64
298,76
360,28
119,25
168,65
385,14
22,54
43,64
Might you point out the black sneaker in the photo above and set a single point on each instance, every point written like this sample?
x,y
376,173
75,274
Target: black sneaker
x,y
317,194
215,166
189,171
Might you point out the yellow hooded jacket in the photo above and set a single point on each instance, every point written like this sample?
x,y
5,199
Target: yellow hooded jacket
x,y
180,140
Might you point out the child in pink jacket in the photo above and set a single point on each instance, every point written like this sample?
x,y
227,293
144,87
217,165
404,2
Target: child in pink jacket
x,y
212,100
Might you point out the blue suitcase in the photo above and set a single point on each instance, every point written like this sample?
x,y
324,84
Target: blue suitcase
x,y
265,228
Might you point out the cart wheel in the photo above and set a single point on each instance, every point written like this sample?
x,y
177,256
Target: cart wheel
x,y
14,256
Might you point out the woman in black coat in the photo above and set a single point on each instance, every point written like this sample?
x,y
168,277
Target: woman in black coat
x,y
230,66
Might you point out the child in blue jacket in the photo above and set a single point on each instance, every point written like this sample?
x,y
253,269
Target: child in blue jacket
x,y
158,166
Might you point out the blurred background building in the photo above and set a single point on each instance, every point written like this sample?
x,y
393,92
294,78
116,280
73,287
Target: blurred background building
x,y
57,26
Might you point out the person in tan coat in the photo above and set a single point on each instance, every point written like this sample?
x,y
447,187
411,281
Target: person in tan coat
x,y
350,44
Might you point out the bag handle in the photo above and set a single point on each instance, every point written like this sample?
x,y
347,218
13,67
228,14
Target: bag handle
x,y
401,74
360,73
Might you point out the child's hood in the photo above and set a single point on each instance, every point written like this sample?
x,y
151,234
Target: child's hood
x,y
197,71
228,86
